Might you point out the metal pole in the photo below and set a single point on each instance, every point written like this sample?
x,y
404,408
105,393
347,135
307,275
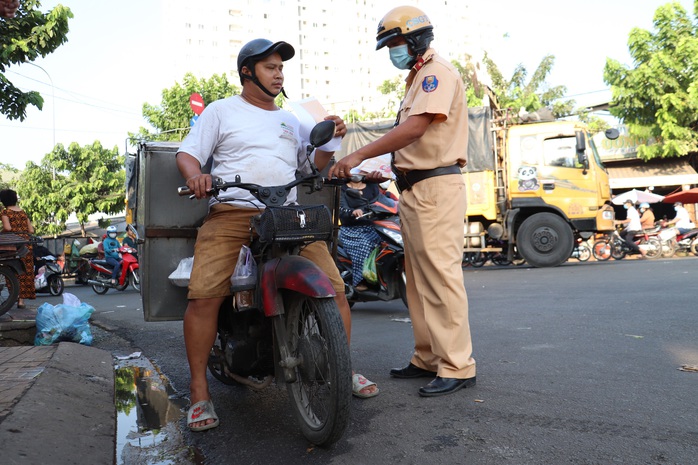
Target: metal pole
x,y
53,98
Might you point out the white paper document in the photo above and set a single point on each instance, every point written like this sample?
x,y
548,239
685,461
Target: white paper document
x,y
310,112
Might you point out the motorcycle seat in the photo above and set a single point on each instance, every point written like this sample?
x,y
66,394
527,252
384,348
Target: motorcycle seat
x,y
101,262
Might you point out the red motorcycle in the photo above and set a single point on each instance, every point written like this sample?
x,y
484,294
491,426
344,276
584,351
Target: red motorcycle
x,y
99,276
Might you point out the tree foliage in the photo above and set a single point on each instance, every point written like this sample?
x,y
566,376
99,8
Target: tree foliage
x,y
171,117
80,180
8,176
24,38
658,97
517,94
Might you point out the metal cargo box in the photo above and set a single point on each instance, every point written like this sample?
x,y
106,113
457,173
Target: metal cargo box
x,y
169,224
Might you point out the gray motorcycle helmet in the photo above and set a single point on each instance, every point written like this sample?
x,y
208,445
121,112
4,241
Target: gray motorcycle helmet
x,y
258,49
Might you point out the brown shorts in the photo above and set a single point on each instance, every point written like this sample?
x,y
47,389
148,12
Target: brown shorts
x,y
218,244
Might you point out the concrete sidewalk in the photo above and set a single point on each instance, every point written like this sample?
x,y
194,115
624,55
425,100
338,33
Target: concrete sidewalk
x,y
56,402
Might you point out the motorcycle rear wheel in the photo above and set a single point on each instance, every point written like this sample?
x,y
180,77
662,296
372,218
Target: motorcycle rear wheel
x,y
321,394
618,250
669,248
9,289
55,285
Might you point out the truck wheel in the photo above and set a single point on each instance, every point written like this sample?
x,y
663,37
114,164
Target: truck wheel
x,y
544,240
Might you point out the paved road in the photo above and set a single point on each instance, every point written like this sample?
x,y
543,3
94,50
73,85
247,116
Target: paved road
x,y
576,364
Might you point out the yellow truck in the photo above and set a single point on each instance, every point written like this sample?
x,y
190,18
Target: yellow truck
x,y
533,188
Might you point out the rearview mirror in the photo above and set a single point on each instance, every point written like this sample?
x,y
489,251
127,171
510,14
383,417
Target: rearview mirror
x,y
322,133
581,151
612,133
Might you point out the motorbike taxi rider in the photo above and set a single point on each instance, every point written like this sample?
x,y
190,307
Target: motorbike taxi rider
x,y
632,227
682,221
111,253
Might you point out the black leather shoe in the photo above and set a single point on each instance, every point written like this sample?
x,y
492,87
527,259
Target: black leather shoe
x,y
442,386
411,371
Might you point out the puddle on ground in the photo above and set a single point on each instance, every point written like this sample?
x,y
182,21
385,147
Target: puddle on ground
x,y
147,410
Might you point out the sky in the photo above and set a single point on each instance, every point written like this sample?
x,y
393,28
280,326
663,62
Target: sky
x,y
94,86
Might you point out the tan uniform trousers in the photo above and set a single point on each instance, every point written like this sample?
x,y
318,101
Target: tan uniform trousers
x,y
432,215
218,244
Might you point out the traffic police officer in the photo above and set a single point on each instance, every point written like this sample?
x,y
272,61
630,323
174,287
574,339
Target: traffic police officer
x,y
429,145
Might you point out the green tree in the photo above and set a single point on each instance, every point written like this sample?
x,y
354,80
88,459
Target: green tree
x,y
8,175
468,73
171,117
658,97
516,93
81,180
24,38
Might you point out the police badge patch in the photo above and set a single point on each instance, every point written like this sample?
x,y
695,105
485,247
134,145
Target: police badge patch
x,y
430,83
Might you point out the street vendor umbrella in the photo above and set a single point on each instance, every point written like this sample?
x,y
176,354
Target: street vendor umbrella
x,y
637,196
689,196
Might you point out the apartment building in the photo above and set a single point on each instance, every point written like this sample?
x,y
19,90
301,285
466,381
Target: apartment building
x,y
335,61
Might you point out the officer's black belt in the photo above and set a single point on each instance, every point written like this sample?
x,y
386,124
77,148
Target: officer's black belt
x,y
405,181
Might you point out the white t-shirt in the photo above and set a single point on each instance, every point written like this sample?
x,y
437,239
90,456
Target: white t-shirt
x,y
634,217
261,146
682,219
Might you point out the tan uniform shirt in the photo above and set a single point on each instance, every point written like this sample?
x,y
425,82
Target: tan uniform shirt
x,y
436,88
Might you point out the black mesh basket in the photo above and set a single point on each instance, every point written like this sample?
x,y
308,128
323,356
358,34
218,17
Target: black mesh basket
x,y
298,223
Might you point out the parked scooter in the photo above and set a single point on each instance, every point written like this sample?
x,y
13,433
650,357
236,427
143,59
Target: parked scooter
x,y
285,323
47,271
100,273
390,260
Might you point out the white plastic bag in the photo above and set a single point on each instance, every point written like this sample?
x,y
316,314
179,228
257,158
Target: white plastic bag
x,y
245,273
40,279
180,276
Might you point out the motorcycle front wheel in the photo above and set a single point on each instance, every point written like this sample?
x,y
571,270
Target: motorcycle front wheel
x,y
55,285
584,253
601,250
135,279
9,289
321,394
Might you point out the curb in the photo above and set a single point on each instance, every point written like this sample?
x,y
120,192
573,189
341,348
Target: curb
x,y
67,416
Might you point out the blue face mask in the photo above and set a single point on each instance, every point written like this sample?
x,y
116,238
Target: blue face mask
x,y
625,206
401,57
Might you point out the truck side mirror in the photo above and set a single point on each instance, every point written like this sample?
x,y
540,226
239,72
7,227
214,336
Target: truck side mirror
x,y
612,133
581,151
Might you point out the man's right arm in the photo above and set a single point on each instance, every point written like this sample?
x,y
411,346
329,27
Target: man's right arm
x,y
190,168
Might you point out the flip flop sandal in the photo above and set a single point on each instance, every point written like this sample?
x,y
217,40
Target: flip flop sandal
x,y
358,383
201,411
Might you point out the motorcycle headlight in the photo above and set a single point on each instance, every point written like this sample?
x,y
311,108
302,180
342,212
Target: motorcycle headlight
x,y
395,236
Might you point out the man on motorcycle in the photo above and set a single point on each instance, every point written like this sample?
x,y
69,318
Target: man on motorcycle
x,y
682,221
111,253
249,136
632,227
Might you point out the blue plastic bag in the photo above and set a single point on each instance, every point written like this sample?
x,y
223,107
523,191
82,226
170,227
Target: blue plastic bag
x,y
68,321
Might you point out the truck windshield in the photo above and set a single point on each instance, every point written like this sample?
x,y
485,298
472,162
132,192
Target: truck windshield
x,y
597,158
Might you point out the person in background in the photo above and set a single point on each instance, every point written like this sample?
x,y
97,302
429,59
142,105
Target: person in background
x,y
632,227
16,221
130,241
111,253
429,143
358,237
8,8
682,221
646,216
